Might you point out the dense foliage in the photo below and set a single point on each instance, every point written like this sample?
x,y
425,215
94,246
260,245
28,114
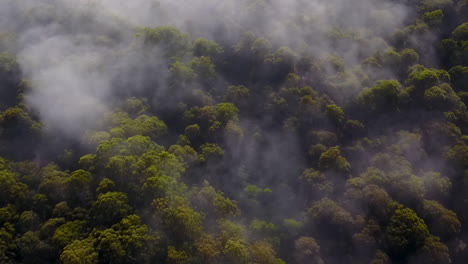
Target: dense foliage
x,y
234,147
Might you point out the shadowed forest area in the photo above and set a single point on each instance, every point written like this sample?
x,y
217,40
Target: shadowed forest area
x,y
234,131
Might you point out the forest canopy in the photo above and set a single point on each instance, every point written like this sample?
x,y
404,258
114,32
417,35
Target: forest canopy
x,y
234,132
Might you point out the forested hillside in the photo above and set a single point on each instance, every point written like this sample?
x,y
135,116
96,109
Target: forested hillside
x,y
234,131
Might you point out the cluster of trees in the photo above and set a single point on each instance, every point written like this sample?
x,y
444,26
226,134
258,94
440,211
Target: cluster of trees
x,y
246,152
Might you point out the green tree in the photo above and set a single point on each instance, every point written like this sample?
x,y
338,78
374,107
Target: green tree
x,y
385,96
136,107
335,114
461,32
317,184
405,233
169,38
79,187
10,74
68,232
307,250
208,249
235,251
80,252
442,222
431,5
33,250
204,69
110,207
208,48
433,251
128,241
263,253
423,78
332,160
409,57
237,95
178,218
434,18
12,190
326,213
441,97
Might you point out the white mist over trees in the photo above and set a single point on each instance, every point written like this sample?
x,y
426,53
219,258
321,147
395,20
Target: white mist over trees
x,y
207,131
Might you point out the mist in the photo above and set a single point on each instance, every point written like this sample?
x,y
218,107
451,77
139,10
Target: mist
x,y
264,131
73,70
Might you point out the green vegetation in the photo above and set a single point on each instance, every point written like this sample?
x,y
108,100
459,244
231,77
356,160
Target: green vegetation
x,y
234,144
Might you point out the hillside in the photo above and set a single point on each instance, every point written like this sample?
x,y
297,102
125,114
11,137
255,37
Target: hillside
x,y
234,131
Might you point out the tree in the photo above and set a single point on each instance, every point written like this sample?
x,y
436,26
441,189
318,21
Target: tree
x,y
380,258
391,58
370,199
47,230
423,78
263,253
307,250
204,69
323,137
318,185
181,74
192,132
385,96
110,207
461,32
208,249
235,251
458,154
121,169
433,252
136,107
431,5
208,48
434,18
437,186
327,214
211,152
128,241
354,129
335,114
237,95
409,57
106,185
168,38
28,221
405,233
143,125
280,63
442,222
68,232
159,183
332,160
441,98
79,187
12,190
80,252
229,230
33,250
459,76
10,74
405,187
18,130
186,154
53,183
175,256
161,162
264,230
178,218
